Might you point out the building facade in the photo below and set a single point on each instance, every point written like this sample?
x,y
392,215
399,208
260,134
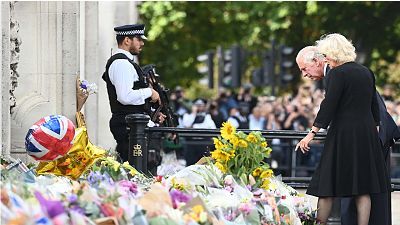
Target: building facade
x,y
45,46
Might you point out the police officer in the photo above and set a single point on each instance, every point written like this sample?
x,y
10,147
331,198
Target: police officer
x,y
127,87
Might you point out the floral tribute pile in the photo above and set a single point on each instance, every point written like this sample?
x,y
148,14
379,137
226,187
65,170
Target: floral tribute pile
x,y
234,186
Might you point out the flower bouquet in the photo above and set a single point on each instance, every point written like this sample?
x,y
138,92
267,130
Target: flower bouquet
x,y
83,90
243,156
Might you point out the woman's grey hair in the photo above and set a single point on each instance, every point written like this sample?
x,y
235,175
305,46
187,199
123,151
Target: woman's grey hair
x,y
336,47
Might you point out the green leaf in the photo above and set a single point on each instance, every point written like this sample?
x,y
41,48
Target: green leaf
x,y
283,209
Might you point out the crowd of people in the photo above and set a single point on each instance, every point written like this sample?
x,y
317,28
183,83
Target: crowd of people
x,y
247,111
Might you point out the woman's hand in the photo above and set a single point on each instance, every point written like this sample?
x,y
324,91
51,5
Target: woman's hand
x,y
303,144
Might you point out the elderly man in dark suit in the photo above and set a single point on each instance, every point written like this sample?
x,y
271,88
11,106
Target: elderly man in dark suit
x,y
312,66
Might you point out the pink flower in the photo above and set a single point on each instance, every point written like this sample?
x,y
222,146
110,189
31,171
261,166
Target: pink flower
x,y
245,208
178,197
128,186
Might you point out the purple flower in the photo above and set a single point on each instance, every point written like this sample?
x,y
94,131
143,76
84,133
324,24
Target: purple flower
x,y
78,209
72,198
179,196
84,84
95,178
52,208
128,186
249,187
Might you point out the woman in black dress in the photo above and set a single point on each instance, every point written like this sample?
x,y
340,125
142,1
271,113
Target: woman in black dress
x,y
352,162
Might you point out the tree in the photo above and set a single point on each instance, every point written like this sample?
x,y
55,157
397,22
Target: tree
x,y
180,31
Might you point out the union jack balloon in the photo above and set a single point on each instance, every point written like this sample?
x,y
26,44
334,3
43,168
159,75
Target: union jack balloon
x,y
50,138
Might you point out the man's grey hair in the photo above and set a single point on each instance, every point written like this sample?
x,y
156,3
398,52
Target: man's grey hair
x,y
309,53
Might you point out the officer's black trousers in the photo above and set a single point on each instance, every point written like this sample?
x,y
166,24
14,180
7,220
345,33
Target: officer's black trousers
x,y
118,127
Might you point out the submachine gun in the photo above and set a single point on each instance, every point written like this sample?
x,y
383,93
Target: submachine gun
x,y
154,109
153,79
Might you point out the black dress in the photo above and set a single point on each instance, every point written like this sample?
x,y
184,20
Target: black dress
x,y
352,162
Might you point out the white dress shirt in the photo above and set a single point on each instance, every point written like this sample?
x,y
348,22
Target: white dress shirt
x,y
188,119
122,75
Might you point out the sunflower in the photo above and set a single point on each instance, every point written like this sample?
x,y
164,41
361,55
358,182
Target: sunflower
x,y
242,143
221,167
267,173
257,172
221,155
251,138
218,144
264,144
227,130
265,184
234,140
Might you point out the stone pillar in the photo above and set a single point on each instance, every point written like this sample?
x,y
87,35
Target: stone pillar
x,y
1,78
91,67
5,78
70,57
106,43
111,14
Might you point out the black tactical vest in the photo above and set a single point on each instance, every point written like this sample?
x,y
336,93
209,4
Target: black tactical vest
x,y
116,106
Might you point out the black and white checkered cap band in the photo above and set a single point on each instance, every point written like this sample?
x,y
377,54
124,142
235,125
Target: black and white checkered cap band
x,y
131,32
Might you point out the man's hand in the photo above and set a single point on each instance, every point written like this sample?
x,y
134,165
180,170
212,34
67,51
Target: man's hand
x,y
155,97
303,144
161,117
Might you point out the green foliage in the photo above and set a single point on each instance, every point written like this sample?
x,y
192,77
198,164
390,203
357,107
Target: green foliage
x,y
180,31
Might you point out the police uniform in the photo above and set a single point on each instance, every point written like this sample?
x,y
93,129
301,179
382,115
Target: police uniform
x,y
127,88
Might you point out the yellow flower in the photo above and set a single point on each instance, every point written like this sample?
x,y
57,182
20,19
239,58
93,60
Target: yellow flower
x,y
234,141
257,172
232,154
197,209
272,186
218,144
227,130
221,167
116,165
132,171
220,155
243,144
177,185
269,150
251,138
109,158
265,184
267,173
264,144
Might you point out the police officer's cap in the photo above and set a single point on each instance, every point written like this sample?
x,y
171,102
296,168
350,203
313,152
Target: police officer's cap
x,y
131,30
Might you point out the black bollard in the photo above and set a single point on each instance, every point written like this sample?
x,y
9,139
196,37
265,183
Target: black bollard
x,y
137,154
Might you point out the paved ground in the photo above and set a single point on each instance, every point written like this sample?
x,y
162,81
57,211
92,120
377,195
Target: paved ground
x,y
395,206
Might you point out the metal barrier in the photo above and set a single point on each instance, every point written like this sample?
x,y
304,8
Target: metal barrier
x,y
139,134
